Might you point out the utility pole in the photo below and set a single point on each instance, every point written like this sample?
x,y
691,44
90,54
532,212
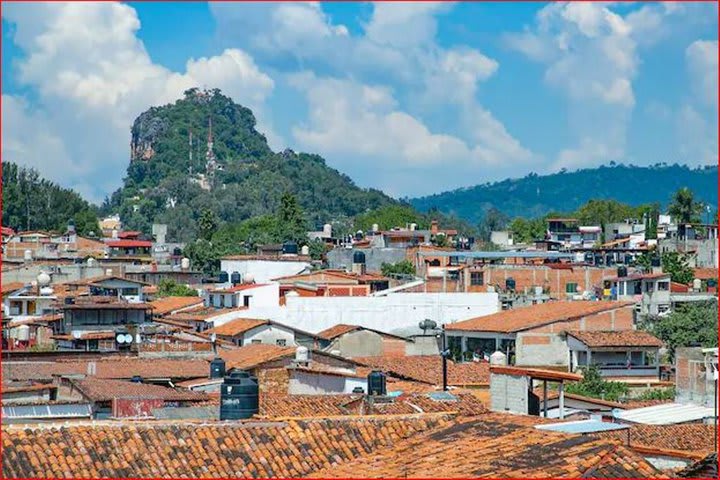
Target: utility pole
x,y
445,354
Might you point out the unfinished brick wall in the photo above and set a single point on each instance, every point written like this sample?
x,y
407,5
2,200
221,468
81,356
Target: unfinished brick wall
x,y
393,347
555,280
273,380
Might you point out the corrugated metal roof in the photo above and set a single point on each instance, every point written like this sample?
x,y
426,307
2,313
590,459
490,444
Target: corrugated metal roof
x,y
583,426
496,255
46,411
665,414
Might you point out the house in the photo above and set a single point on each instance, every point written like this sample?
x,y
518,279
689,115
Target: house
x,y
263,268
564,230
633,353
651,291
125,248
332,283
201,318
114,286
287,370
25,392
243,295
356,341
27,301
246,331
534,335
502,238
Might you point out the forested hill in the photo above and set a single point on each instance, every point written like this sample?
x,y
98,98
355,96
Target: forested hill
x,y
33,203
170,181
534,195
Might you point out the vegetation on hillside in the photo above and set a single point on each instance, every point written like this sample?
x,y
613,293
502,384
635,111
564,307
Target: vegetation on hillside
x,y
535,196
33,203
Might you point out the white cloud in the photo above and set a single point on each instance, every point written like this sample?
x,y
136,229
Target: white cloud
x,y
697,137
94,76
702,61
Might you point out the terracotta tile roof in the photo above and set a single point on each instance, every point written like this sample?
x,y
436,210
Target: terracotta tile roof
x,y
201,313
286,406
518,319
705,468
129,244
706,273
428,369
117,368
237,327
694,438
337,330
165,305
260,449
251,356
102,390
536,373
496,446
9,287
625,338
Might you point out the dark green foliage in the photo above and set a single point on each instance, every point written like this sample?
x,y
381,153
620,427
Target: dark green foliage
x,y
402,215
658,394
534,195
290,220
251,184
318,249
170,288
688,324
677,265
204,255
33,203
493,220
593,385
525,231
404,267
207,224
684,208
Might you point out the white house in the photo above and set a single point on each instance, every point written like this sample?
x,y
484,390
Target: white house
x,y
263,268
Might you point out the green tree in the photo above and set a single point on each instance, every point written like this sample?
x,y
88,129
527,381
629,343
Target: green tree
x,y
684,208
290,219
390,216
493,220
526,231
204,255
658,394
594,385
688,324
404,267
170,288
207,224
318,248
676,264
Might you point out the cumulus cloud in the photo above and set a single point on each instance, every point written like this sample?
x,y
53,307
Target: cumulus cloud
x,y
93,76
702,61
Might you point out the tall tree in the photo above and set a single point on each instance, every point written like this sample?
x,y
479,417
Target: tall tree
x,y
684,208
207,224
290,219
688,324
493,220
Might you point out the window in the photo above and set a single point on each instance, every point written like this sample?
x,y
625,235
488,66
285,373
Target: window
x,y
571,287
255,341
476,278
649,288
663,286
281,342
246,301
663,308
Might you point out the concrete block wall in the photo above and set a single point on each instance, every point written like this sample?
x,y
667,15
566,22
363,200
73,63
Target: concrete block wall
x,y
508,393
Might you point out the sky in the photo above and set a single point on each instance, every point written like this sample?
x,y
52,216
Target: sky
x,y
411,98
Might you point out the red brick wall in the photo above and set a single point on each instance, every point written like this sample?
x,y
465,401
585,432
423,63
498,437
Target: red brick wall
x,y
393,347
554,279
623,320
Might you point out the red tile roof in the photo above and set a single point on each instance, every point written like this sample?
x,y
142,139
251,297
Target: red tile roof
x,y
496,446
237,327
251,356
163,306
428,369
694,439
259,449
102,390
129,244
238,288
537,373
625,338
337,330
524,318
706,273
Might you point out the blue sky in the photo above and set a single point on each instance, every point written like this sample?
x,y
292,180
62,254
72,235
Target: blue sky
x,y
410,98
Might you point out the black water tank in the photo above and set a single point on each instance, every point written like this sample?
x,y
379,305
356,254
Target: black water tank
x,y
290,248
628,259
358,390
224,277
239,396
622,272
376,383
510,284
235,278
609,260
589,257
217,368
177,252
655,261
136,379
358,257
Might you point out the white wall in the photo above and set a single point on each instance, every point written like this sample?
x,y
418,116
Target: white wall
x,y
263,270
270,334
302,383
554,353
396,310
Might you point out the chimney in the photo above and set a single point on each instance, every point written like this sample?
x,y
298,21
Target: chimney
x,y
434,227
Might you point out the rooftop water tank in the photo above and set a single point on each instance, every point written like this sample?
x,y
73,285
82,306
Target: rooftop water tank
x,y
185,263
249,278
46,291
177,251
697,284
302,354
217,368
23,333
498,358
510,284
622,271
358,256
235,278
224,277
239,396
375,227
359,235
27,255
376,383
108,272
327,230
91,262
305,250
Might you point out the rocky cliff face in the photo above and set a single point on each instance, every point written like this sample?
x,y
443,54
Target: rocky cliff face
x,y
146,129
